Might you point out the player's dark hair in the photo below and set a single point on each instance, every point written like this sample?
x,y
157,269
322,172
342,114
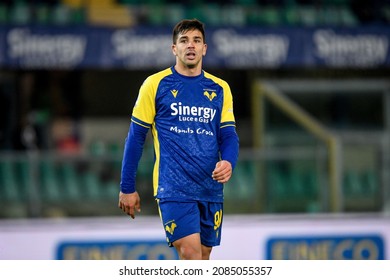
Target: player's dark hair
x,y
186,25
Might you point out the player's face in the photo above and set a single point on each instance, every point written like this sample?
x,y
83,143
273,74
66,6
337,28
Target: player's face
x,y
189,49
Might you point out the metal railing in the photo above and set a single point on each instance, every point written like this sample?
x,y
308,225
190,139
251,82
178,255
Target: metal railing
x,y
342,181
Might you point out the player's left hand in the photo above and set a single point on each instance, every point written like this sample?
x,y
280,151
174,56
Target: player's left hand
x,y
223,171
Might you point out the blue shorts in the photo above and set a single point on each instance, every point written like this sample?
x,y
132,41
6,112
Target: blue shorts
x,y
183,218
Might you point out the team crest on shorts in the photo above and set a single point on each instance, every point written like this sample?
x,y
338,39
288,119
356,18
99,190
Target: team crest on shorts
x,y
170,227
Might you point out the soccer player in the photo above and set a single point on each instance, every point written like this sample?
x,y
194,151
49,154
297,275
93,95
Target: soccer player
x,y
190,113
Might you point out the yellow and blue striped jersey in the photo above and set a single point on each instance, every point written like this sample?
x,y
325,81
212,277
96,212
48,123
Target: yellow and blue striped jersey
x,y
186,115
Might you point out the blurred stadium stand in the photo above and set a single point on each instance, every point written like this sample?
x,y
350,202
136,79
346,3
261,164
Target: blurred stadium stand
x,y
58,160
128,13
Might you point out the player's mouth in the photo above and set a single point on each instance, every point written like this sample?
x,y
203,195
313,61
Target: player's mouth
x,y
191,55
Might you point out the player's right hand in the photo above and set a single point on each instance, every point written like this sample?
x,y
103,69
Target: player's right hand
x,y
129,203
223,171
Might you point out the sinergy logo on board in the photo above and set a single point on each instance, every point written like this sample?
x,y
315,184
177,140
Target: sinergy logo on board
x,y
115,250
365,247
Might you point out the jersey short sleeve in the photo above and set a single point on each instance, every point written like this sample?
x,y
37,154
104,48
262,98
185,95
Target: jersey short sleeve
x,y
227,114
144,109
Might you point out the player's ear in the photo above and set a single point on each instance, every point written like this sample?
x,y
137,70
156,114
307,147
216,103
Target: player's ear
x,y
204,49
174,49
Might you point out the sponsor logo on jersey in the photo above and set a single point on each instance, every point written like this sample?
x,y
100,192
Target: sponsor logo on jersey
x,y
191,131
192,113
174,92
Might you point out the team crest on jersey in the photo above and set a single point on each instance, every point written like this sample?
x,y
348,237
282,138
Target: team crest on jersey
x,y
170,227
174,92
210,96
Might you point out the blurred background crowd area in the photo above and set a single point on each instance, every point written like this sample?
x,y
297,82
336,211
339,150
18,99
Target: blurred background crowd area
x,y
213,13
62,130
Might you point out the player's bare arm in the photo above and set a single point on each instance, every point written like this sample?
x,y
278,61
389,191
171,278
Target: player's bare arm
x,y
223,171
129,203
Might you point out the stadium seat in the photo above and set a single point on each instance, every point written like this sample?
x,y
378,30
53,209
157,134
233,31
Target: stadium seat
x,y
91,186
49,182
371,181
292,187
73,3
338,2
242,188
329,16
115,150
303,178
308,16
253,16
244,180
296,179
70,182
173,13
97,148
101,3
195,12
156,15
212,14
347,18
245,2
20,13
42,14
129,2
61,15
233,15
111,190
362,191
270,16
3,14
77,16
155,2
277,187
145,167
8,184
386,12
23,171
277,183
352,184
290,15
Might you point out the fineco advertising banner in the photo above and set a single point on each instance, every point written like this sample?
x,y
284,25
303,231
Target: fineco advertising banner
x,y
244,237
38,47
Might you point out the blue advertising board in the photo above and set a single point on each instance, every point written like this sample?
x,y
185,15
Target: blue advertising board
x,y
115,250
342,247
35,47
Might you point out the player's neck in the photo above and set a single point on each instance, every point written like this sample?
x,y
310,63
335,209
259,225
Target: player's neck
x,y
188,71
